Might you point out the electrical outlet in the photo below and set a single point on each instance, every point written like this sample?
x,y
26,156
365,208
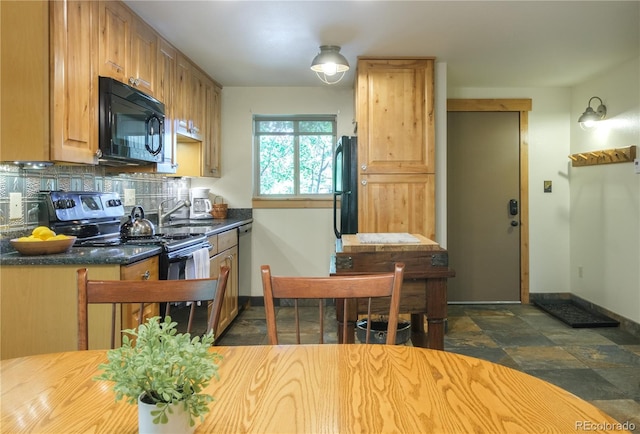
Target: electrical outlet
x,y
15,205
129,197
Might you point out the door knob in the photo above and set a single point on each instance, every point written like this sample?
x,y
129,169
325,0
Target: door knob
x,y
514,223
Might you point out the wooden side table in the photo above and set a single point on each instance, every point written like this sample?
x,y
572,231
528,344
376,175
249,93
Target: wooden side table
x,y
424,291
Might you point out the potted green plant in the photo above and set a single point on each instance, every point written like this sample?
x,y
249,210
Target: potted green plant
x,y
164,370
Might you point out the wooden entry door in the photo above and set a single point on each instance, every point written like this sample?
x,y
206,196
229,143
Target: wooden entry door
x,y
486,207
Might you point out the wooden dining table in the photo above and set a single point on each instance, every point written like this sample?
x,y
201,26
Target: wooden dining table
x,y
308,389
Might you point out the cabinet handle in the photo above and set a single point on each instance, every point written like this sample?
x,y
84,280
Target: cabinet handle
x,y
146,275
364,167
132,81
363,182
99,153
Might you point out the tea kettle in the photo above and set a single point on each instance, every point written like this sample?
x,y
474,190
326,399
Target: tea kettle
x,y
137,226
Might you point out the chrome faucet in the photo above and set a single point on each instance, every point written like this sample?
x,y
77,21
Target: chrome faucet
x,y
162,216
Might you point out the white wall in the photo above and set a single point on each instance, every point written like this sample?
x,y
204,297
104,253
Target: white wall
x,y
605,199
548,150
601,233
291,241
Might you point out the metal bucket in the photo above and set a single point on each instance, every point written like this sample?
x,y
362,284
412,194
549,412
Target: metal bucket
x,y
378,332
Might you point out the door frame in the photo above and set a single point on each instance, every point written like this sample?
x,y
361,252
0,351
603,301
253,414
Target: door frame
x,y
523,107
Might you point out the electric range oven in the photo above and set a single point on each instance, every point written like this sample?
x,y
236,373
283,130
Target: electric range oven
x,y
95,219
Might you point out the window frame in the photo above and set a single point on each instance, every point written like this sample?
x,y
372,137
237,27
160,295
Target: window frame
x,y
307,199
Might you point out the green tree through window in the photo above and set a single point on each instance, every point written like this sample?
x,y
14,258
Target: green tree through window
x,y
295,154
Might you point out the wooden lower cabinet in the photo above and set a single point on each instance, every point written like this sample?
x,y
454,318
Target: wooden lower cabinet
x,y
39,307
143,270
227,254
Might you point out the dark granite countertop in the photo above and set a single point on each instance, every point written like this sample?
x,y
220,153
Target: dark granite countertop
x,y
124,255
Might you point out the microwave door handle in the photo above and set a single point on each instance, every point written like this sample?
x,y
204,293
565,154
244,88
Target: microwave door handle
x,y
150,133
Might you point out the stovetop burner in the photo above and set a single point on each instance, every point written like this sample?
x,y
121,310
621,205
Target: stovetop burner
x,y
168,241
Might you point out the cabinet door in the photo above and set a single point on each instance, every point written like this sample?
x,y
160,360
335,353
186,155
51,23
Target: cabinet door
x,y
183,88
229,311
395,116
74,86
144,51
166,79
212,136
143,270
115,40
397,203
189,99
24,82
196,108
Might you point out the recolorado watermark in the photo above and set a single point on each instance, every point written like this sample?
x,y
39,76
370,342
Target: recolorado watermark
x,y
586,425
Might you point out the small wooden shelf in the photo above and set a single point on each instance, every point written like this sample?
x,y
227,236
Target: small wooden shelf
x,y
604,156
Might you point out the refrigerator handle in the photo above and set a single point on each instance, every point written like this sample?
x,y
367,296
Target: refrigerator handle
x,y
335,215
336,193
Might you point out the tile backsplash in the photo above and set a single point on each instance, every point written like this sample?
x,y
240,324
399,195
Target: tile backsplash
x,y
149,188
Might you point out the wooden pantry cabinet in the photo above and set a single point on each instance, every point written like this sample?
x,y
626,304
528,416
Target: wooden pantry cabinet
x,y
396,145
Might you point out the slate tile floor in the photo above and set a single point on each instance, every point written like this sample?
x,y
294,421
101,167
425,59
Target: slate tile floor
x,y
600,365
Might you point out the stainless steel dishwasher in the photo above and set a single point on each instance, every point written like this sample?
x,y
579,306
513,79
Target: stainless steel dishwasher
x,y
244,262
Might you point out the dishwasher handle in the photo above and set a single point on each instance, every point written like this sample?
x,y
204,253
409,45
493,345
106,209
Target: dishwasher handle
x,y
245,228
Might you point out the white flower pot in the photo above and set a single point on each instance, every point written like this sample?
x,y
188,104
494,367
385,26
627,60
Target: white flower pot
x,y
178,420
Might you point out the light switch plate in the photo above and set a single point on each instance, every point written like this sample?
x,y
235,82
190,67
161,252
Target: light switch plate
x,y
15,205
636,164
129,197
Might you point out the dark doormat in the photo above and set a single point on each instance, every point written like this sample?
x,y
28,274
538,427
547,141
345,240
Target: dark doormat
x,y
574,315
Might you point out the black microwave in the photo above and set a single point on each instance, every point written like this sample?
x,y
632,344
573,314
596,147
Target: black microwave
x,y
131,125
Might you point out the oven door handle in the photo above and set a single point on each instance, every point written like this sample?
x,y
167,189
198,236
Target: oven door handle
x,y
187,256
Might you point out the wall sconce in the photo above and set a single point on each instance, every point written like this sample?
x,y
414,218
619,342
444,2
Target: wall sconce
x,y
590,117
329,65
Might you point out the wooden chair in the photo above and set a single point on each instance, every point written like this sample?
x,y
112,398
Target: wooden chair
x,y
148,291
341,288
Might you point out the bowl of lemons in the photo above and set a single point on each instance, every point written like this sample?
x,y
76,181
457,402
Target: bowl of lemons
x,y
42,241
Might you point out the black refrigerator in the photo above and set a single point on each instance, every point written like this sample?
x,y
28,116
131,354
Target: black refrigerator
x,y
345,186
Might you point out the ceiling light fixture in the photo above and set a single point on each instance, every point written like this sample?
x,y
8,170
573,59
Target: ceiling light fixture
x,y
590,117
329,65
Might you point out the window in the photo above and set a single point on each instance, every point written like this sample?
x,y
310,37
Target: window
x,y
294,155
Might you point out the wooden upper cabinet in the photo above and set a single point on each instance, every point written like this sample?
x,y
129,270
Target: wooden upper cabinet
x,y
48,81
74,85
128,47
189,99
197,102
143,61
395,115
24,81
115,40
165,92
212,134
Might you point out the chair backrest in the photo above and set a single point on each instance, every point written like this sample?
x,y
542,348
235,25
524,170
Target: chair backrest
x,y
148,291
340,288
